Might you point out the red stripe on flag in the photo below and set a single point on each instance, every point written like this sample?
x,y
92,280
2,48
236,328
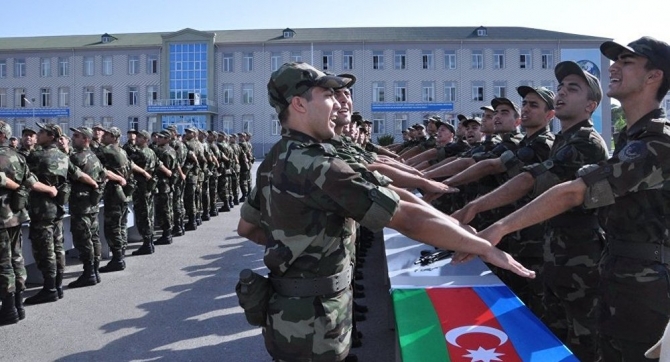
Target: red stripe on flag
x,y
471,330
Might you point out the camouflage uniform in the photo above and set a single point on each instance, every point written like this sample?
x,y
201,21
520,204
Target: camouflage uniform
x,y
235,170
202,189
165,187
192,171
245,167
116,199
308,217
143,196
12,268
178,192
573,243
213,178
225,174
631,192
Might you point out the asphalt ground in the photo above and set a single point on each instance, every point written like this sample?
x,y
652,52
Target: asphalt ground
x,y
178,304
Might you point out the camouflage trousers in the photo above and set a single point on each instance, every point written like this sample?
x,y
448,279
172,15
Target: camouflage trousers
x,y
86,236
190,196
213,189
571,294
165,216
244,184
12,267
635,306
143,208
116,225
309,329
223,188
234,185
46,237
204,196
178,202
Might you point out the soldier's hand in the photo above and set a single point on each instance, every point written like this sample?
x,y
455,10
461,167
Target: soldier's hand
x,y
461,257
122,181
434,187
53,191
492,234
503,260
465,215
147,175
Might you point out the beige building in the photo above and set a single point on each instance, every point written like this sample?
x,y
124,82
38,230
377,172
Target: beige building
x,y
217,79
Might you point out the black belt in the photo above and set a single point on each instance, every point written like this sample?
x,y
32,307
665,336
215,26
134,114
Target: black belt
x,y
311,287
574,221
643,251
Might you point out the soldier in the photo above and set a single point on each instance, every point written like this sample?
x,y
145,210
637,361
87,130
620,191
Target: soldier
x,y
117,195
202,189
98,132
180,182
14,142
235,168
51,167
131,142
226,154
573,240
143,196
84,207
214,171
166,181
64,143
14,172
314,196
245,166
28,141
192,170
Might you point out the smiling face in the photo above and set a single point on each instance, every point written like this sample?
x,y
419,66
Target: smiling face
x,y
628,76
572,99
343,96
320,111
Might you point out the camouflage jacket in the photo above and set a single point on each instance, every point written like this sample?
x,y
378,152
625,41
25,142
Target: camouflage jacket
x,y
12,203
167,156
224,148
455,148
145,158
83,197
115,159
180,150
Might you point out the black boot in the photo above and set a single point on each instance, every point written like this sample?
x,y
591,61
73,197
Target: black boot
x,y
213,211
86,279
96,271
235,200
116,264
165,239
59,283
48,293
146,248
198,219
243,198
231,204
205,216
177,231
225,207
191,224
18,301
8,313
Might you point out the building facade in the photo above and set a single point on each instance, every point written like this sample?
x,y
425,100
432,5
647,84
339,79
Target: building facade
x,y
217,79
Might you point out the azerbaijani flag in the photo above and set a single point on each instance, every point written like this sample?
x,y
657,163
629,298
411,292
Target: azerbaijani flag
x,y
473,324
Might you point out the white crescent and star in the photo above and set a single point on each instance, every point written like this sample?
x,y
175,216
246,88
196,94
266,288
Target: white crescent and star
x,y
453,334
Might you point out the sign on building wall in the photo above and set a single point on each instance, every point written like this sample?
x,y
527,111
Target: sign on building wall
x,y
174,109
412,107
35,112
589,60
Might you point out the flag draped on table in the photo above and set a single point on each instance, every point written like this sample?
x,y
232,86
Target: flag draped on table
x,y
473,324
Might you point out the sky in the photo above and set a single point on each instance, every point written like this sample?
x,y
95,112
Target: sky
x,y
620,20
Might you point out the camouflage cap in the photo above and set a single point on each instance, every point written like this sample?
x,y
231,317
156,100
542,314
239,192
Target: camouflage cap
x,y
13,138
356,117
171,127
566,68
657,51
351,77
448,125
52,128
498,101
5,129
472,120
462,118
487,108
191,129
114,131
296,78
98,126
87,132
164,134
544,93
418,126
144,134
367,121
213,133
405,131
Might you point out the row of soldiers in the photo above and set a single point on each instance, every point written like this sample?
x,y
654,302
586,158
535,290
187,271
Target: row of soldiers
x,y
46,177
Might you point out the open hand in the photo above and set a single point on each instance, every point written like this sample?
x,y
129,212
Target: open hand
x,y
503,260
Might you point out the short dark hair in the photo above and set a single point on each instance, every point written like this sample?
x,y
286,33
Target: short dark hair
x,y
665,84
283,115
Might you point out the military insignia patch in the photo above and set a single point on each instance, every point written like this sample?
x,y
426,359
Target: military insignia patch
x,y
566,154
633,151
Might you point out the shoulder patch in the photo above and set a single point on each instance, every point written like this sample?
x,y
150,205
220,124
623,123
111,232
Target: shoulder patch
x,y
565,154
632,151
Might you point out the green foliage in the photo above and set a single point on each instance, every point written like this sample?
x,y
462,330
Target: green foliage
x,y
385,140
618,119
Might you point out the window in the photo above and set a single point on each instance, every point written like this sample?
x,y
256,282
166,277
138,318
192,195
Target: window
x,y
427,61
247,93
450,59
107,65
401,91
327,59
3,98
106,96
134,123
528,83
498,59
275,61
3,68
133,64
89,99
428,91
152,64
45,67
296,57
400,122
248,62
477,92
45,97
248,123
400,59
477,59
152,94
500,89
89,66
276,126
133,96
227,124
151,123
450,91
288,34
378,60
107,121
64,97
524,59
19,68
89,121
547,59
63,67
378,91
348,60
227,93
549,84
227,62
482,32
378,123
19,125
20,99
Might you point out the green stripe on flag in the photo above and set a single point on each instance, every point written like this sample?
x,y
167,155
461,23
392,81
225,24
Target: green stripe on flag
x,y
419,331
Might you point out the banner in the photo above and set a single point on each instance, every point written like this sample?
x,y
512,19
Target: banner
x,y
476,324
